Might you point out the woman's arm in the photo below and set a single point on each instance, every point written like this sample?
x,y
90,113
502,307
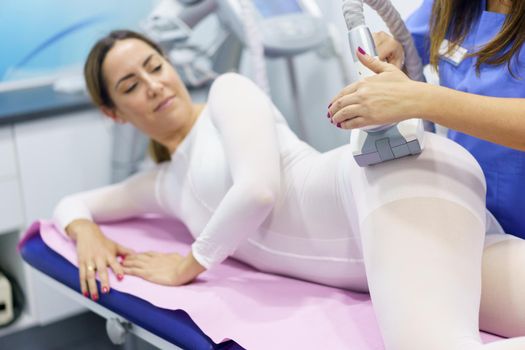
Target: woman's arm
x,y
132,197
390,96
498,120
244,117
75,216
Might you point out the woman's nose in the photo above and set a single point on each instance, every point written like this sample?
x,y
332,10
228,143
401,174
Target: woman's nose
x,y
154,87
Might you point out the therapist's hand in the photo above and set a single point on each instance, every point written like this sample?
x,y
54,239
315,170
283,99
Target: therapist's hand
x,y
95,254
170,269
387,97
389,49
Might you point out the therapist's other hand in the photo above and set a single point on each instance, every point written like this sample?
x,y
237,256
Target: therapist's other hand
x,y
169,269
389,49
384,98
95,254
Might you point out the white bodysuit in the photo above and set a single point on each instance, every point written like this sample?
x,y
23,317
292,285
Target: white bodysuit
x,y
310,230
410,231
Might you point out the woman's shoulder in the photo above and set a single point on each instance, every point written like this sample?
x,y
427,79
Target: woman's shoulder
x,y
231,82
231,77
228,90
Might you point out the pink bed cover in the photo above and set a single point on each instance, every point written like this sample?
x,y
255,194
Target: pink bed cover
x,y
234,301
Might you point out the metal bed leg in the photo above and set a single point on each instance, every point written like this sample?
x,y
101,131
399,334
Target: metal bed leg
x,y
118,333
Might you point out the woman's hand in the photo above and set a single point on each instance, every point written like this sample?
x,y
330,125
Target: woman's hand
x,y
387,97
95,253
170,269
389,49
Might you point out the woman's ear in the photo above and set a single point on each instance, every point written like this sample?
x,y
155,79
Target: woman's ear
x,y
112,114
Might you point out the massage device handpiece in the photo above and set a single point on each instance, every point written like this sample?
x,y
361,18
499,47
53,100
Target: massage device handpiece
x,y
378,143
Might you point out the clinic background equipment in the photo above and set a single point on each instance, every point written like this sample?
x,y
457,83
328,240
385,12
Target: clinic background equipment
x,y
262,28
6,301
12,300
379,143
280,28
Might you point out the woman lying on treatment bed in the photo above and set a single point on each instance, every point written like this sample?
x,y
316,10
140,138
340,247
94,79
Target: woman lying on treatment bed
x,y
411,231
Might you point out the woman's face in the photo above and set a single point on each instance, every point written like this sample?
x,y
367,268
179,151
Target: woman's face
x,y
145,89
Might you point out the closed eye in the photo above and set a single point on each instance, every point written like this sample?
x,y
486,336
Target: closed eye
x,y
130,89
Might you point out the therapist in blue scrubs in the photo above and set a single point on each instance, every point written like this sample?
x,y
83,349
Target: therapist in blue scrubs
x,y
476,47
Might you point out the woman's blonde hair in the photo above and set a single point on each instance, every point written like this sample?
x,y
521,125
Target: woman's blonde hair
x,y
96,84
455,19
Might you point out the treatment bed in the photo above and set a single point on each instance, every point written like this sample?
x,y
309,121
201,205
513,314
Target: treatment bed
x,y
253,309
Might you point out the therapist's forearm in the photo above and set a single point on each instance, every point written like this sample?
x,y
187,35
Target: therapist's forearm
x,y
498,120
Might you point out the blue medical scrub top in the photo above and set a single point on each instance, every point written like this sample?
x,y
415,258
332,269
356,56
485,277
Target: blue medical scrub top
x,y
504,168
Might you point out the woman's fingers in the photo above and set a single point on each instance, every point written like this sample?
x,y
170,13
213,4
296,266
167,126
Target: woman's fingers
x,y
339,104
91,280
389,49
124,251
375,65
353,123
384,50
345,114
102,270
395,54
96,253
83,277
347,90
135,271
116,267
396,61
88,276
135,260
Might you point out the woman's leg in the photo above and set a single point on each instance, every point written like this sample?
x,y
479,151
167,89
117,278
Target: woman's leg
x,y
503,287
422,224
423,261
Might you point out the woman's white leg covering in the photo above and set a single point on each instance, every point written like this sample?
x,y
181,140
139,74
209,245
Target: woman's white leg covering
x,y
503,287
422,223
423,261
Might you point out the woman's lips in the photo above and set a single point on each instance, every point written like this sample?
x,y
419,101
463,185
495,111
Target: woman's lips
x,y
164,104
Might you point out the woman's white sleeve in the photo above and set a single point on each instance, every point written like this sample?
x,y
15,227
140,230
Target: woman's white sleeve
x,y
245,119
135,196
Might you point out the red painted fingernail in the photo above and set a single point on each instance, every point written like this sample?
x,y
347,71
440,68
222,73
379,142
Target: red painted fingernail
x,y
328,115
105,290
330,105
86,294
94,297
361,51
338,125
120,277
